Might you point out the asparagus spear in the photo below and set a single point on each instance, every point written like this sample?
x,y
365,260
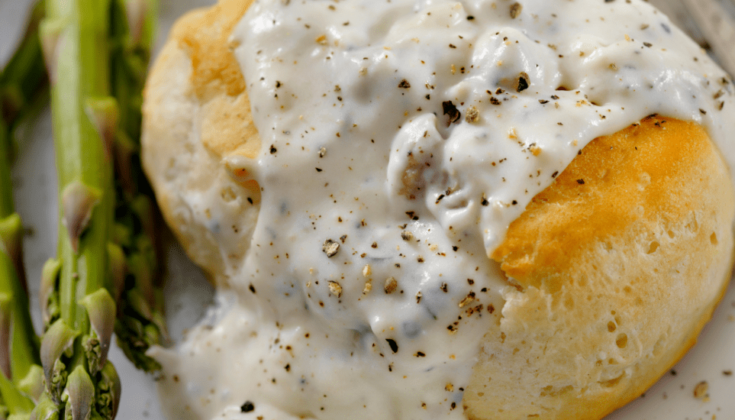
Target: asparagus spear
x,y
140,322
136,284
19,363
74,349
22,83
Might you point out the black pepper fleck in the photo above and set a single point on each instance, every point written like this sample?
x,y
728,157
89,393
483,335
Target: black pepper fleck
x,y
523,82
452,111
393,345
247,407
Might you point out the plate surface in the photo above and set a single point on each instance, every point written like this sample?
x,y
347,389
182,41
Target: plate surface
x,y
188,293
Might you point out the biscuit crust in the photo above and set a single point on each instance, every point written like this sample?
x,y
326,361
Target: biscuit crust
x,y
618,266
199,138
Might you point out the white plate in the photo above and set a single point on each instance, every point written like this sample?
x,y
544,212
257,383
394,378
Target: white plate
x,y
188,293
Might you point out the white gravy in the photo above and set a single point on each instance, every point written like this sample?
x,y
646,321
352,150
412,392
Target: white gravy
x,y
411,133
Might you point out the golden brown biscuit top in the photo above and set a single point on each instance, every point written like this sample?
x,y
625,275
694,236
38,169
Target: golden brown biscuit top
x,y
634,166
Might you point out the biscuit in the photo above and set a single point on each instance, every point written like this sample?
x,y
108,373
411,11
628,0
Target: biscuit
x,y
617,265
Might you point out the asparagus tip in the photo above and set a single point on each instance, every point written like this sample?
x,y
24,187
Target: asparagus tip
x,y
11,234
101,310
80,392
32,384
51,34
46,409
136,13
58,339
118,268
78,201
5,333
49,276
104,114
110,390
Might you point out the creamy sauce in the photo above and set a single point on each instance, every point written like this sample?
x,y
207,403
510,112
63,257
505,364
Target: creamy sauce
x,y
401,138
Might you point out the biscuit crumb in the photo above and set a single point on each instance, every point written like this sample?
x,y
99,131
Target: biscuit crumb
x,y
330,248
335,288
391,284
467,300
700,391
535,150
473,115
515,10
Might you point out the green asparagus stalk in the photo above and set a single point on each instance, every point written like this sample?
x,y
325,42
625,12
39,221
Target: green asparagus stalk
x,y
135,285
79,331
140,322
75,40
22,83
19,363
